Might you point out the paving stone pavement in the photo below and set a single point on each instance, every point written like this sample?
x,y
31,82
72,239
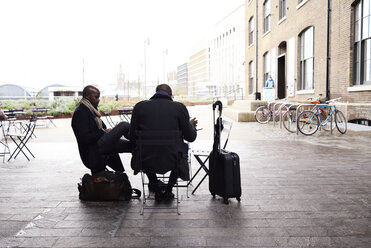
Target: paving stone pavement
x,y
297,191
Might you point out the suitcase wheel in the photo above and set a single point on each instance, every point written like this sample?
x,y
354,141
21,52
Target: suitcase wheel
x,y
225,200
238,199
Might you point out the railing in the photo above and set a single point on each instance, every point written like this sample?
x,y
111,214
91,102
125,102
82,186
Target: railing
x,y
237,94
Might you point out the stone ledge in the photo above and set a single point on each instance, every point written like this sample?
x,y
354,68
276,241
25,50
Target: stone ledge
x,y
239,115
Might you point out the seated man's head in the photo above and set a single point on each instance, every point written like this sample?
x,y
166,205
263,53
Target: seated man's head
x,y
92,94
166,88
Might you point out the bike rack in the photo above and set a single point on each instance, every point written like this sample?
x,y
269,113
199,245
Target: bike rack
x,y
311,104
291,104
280,113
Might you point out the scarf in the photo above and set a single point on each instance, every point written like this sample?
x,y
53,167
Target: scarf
x,y
94,111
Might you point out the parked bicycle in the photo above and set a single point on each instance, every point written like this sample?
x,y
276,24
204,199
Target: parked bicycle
x,y
289,118
265,113
309,121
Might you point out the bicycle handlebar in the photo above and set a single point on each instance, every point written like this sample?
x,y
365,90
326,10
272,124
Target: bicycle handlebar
x,y
334,100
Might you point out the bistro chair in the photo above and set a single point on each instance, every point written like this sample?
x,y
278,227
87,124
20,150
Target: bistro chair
x,y
202,156
20,139
4,140
157,141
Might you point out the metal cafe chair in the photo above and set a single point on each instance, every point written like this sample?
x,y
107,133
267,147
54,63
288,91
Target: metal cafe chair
x,y
156,140
125,113
202,156
4,140
20,139
41,115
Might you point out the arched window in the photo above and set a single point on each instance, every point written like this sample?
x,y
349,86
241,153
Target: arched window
x,y
306,51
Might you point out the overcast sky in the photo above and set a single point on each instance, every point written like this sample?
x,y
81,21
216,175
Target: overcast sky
x,y
45,42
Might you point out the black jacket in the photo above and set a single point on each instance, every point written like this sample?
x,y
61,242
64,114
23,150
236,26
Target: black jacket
x,y
161,113
87,135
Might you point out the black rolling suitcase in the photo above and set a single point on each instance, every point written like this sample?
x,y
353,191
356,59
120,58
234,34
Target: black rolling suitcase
x,y
224,166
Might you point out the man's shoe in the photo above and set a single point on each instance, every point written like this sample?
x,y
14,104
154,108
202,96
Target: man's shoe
x,y
159,196
168,196
153,187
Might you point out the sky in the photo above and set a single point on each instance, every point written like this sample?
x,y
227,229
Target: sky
x,y
46,42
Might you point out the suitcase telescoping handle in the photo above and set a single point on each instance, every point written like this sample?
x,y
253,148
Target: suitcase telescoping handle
x,y
218,123
219,105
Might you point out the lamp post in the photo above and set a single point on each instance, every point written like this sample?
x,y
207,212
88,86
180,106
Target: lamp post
x,y
164,53
146,42
83,73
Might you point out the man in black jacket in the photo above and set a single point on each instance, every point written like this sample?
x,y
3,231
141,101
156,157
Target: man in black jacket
x,y
161,113
98,146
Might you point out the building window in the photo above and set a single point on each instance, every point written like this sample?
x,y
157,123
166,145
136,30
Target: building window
x,y
251,77
362,43
306,59
267,15
251,30
282,9
266,66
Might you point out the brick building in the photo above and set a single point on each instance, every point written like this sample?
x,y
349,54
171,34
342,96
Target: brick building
x,y
311,47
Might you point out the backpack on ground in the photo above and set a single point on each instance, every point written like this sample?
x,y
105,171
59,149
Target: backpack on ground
x,y
107,186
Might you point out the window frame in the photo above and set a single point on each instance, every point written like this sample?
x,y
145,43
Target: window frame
x,y
266,67
251,77
361,43
306,61
267,16
282,9
251,30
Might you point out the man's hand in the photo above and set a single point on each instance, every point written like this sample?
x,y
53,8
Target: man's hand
x,y
107,130
193,121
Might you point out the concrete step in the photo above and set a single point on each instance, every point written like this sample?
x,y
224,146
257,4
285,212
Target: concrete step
x,y
239,115
247,105
243,110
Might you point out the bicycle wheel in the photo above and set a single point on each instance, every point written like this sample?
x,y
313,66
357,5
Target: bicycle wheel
x,y
262,114
308,123
341,122
289,120
326,125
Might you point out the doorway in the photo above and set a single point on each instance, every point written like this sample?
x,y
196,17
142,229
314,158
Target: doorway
x,y
281,77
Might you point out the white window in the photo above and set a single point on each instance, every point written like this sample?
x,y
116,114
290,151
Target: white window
x,y
362,43
251,77
266,66
251,30
267,15
306,59
282,8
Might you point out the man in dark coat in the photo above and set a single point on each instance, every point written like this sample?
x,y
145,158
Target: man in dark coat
x,y
161,113
98,146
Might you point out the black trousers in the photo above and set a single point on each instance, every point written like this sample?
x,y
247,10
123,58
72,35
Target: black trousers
x,y
152,178
111,142
110,145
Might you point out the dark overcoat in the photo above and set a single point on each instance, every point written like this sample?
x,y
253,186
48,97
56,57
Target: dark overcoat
x,y
87,135
163,114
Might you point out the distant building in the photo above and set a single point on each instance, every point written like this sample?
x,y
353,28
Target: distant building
x,y
120,79
44,92
198,75
14,92
309,48
182,80
64,91
227,54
